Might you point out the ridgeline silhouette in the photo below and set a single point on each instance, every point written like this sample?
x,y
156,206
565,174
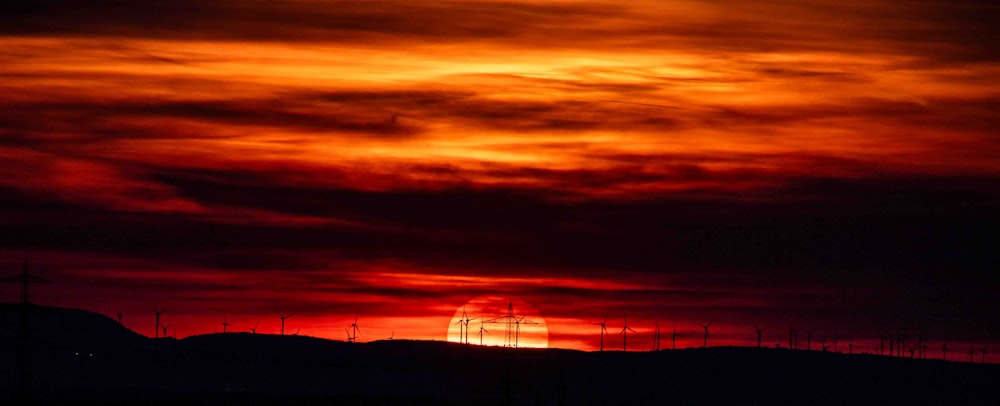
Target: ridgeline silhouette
x,y
83,357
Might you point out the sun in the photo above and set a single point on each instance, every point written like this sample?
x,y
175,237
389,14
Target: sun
x,y
499,321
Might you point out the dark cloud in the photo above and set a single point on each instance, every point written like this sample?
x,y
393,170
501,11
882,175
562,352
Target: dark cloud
x,y
941,31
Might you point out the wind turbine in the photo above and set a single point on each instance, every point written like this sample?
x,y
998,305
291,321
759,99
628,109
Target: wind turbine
x,y
461,325
656,337
983,351
283,316
253,329
482,329
706,326
156,331
392,335
760,331
466,321
165,330
624,334
604,329
225,324
119,317
673,337
355,329
944,351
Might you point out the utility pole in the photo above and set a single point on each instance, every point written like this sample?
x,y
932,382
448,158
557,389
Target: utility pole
x,y
23,360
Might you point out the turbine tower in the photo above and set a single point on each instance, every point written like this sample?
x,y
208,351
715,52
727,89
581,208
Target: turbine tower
x,y
482,329
944,351
354,330
283,316
624,334
706,326
760,331
656,337
467,320
461,325
225,324
673,337
604,329
253,330
156,331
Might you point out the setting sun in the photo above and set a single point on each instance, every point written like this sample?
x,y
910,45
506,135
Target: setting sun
x,y
499,321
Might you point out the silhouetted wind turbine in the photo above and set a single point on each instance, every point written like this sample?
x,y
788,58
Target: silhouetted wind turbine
x,y
760,331
944,352
791,338
624,334
482,329
656,337
354,327
461,325
156,331
673,337
392,335
283,316
604,329
119,317
254,328
165,330
467,320
983,351
706,326
225,324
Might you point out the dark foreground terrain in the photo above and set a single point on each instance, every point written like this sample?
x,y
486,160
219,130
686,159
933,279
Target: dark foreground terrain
x,y
81,357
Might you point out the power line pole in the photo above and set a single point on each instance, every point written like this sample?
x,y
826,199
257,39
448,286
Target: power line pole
x,y
23,360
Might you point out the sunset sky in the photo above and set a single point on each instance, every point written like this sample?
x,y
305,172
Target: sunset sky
x,y
830,166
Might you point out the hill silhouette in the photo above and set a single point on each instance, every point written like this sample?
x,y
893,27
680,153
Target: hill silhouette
x,y
83,357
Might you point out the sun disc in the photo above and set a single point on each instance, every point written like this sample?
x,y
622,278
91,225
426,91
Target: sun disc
x,y
499,321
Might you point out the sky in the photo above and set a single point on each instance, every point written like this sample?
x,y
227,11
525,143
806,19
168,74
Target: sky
x,y
831,167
